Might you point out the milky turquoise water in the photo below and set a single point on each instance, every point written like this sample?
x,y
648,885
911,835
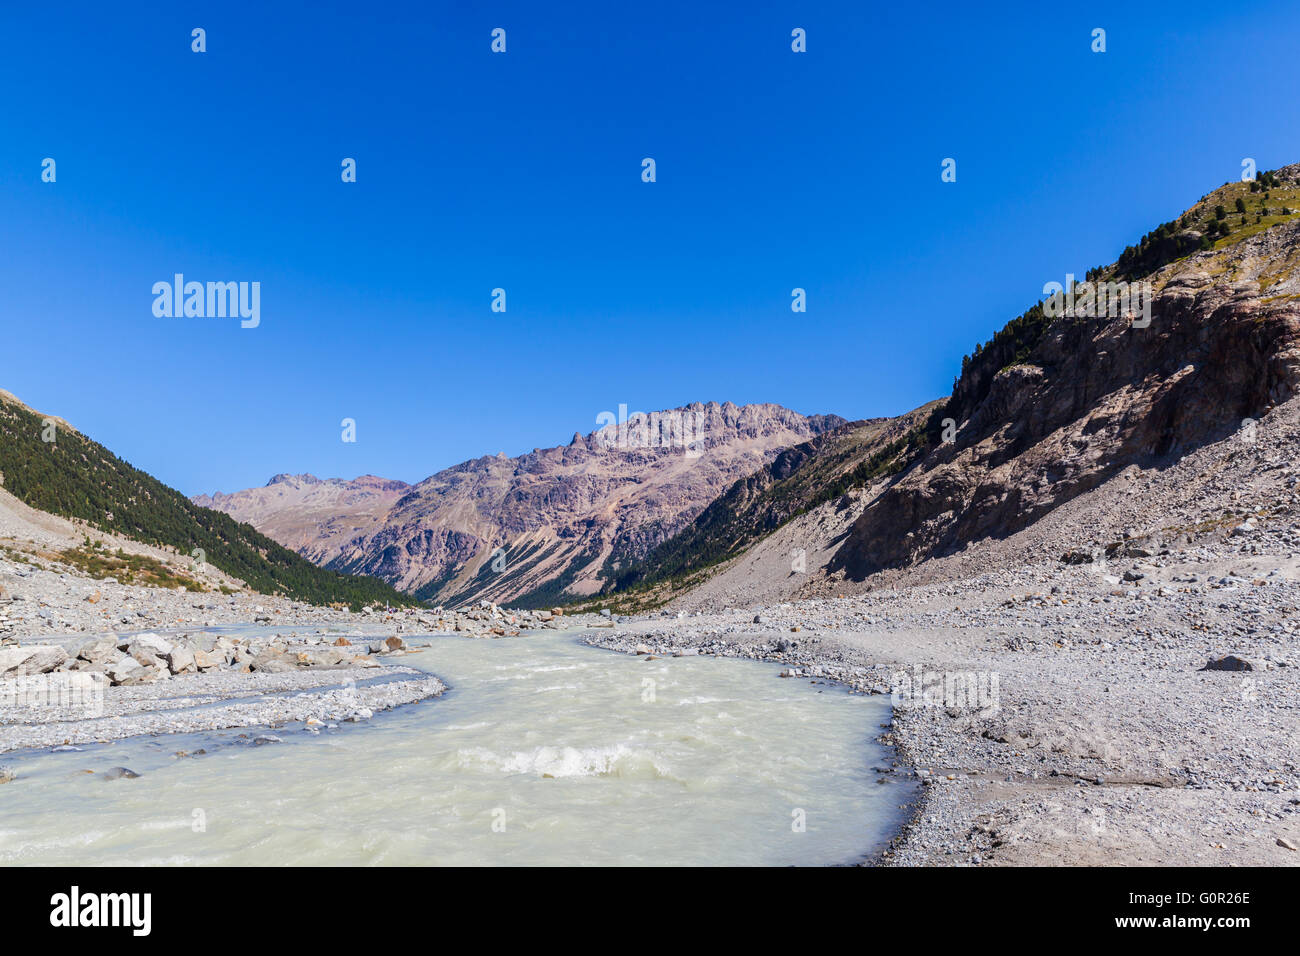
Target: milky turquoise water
x,y
544,752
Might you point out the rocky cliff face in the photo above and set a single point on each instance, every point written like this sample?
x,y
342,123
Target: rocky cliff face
x,y
1093,396
543,526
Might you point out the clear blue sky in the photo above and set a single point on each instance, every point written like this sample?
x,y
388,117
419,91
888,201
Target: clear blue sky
x,y
775,170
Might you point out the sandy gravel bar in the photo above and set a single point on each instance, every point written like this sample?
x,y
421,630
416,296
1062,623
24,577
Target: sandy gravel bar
x,y
218,701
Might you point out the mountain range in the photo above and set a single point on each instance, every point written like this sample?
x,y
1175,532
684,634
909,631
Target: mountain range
x,y
758,501
539,528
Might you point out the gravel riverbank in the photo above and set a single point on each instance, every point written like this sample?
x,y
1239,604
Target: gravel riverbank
x,y
216,702
1061,713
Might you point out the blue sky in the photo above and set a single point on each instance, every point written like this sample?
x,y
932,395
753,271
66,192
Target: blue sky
x,y
522,171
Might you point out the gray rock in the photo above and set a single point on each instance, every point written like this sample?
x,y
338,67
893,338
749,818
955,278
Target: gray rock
x,y
181,660
119,773
126,671
273,663
207,660
30,659
103,651
1229,662
149,643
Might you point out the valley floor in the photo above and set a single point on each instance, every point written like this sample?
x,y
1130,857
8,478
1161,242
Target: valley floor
x,y
1074,722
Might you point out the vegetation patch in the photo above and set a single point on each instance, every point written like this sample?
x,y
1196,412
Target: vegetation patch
x,y
97,562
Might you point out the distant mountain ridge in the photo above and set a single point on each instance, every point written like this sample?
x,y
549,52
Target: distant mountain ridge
x,y
537,528
311,515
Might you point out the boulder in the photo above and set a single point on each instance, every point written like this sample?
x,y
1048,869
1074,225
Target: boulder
x,y
152,643
182,660
1076,556
103,651
145,657
85,667
30,659
271,661
321,657
126,671
1229,662
156,672
207,660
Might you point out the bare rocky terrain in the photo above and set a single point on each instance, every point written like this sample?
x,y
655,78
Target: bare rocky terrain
x,y
501,528
1095,396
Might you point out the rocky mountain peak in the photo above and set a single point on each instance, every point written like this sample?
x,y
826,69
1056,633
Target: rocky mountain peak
x,y
562,514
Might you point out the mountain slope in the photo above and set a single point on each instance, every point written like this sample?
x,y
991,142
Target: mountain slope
x,y
1054,407
547,525
77,478
313,517
798,480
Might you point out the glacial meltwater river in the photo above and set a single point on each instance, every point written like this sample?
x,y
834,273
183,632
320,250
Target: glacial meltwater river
x,y
544,751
